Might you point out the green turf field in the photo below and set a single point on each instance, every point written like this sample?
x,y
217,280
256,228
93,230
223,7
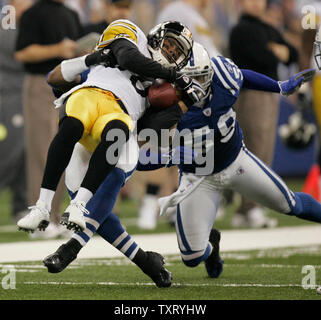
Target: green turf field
x,y
128,214
264,274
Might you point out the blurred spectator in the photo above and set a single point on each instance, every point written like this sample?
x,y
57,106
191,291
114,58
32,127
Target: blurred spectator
x,y
12,165
188,13
113,10
47,35
258,46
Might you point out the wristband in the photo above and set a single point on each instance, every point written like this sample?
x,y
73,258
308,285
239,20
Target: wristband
x,y
71,68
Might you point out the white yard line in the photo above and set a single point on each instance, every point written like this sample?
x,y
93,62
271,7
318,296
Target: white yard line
x,y
173,284
232,240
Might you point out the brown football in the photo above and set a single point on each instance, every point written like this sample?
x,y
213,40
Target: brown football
x,y
162,95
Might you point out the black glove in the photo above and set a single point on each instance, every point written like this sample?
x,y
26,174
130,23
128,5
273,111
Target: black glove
x,y
192,91
103,57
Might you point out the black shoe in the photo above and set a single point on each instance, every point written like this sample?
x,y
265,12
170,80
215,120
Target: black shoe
x,y
64,255
214,263
156,271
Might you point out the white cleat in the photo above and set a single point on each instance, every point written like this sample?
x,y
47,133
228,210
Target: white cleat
x,y
73,217
37,218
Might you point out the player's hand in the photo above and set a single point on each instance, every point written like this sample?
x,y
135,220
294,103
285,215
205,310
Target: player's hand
x,y
181,155
103,57
192,91
294,83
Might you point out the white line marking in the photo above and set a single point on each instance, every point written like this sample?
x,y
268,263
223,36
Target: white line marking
x,y
166,243
173,284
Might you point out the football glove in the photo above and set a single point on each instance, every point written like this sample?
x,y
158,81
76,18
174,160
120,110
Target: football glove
x,y
192,91
288,87
103,57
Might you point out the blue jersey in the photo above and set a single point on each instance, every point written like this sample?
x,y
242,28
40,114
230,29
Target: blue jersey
x,y
218,117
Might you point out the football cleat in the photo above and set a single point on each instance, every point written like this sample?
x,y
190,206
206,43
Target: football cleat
x,y
73,217
156,271
37,218
65,254
214,263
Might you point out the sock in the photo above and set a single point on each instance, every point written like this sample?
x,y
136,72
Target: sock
x,y
113,232
60,151
84,236
82,195
306,207
46,196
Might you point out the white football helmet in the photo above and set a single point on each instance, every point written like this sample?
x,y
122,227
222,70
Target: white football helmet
x,y
199,67
171,30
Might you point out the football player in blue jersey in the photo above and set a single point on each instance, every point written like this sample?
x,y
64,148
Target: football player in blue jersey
x,y
231,166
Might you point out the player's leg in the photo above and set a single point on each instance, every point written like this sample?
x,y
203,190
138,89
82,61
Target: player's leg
x,y
80,111
111,130
197,240
253,179
105,223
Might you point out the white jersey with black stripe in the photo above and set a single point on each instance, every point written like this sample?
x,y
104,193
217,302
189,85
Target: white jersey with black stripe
x,y
122,84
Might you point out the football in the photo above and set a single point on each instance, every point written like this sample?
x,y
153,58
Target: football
x,y
162,95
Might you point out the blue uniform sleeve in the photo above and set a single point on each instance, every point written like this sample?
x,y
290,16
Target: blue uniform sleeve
x,y
257,81
227,75
149,161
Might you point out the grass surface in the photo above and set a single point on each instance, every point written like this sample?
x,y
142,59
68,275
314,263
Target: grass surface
x,y
256,275
128,211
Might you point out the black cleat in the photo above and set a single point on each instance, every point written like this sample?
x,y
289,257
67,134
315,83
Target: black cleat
x,y
65,254
214,263
156,271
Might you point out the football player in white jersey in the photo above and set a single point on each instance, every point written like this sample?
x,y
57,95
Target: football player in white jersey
x,y
109,100
211,127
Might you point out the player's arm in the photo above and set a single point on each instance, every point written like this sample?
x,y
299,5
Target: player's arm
x,y
149,161
68,72
257,81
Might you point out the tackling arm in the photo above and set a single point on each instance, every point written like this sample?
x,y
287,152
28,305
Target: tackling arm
x,y
257,81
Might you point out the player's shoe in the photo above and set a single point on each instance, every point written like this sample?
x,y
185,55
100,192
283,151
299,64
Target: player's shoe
x,y
214,263
155,269
65,254
37,218
73,217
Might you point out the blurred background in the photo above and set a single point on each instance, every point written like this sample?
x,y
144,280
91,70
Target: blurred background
x,y
43,38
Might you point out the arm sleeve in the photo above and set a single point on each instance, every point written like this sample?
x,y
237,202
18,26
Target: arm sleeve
x,y
130,58
156,160
258,81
